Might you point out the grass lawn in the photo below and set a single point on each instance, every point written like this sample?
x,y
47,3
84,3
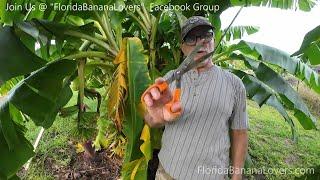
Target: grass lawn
x,y
54,148
270,145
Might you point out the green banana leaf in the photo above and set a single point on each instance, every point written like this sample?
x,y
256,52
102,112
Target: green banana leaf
x,y
15,58
310,47
288,95
237,32
262,94
5,88
257,57
14,148
40,96
67,38
138,80
282,59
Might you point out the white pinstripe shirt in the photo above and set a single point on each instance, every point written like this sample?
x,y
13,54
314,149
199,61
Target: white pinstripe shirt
x,y
197,144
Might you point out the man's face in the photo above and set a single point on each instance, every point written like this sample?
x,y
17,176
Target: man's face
x,y
199,35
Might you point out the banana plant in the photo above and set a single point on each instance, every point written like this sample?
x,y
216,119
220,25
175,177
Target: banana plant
x,y
265,86
40,78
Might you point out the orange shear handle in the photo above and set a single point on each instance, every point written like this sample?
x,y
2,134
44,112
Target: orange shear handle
x,y
162,87
176,98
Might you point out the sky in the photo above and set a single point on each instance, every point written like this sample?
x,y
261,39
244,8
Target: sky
x,y
283,29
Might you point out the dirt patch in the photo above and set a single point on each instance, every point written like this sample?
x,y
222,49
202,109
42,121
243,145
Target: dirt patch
x,y
83,167
291,159
288,142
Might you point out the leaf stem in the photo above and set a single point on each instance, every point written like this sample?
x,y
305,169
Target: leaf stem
x,y
106,20
148,25
92,39
147,15
89,54
102,22
97,24
139,22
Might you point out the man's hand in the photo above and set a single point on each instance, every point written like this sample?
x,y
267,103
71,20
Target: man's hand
x,y
157,114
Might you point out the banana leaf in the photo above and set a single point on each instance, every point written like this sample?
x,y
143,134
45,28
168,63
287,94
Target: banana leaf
x,y
288,95
40,96
271,55
262,94
310,47
138,80
15,58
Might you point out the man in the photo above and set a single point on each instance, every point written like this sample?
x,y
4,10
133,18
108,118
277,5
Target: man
x,y
196,139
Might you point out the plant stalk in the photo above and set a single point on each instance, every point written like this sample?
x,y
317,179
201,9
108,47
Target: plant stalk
x,y
81,66
152,47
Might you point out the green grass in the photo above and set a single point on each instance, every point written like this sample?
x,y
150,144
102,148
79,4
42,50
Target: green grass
x,y
55,146
270,143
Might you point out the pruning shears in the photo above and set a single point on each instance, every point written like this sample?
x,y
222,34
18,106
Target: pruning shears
x,y
187,64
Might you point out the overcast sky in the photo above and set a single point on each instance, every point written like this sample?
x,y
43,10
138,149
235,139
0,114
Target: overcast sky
x,y
283,29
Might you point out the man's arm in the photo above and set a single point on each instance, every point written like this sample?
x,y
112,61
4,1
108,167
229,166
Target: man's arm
x,y
239,147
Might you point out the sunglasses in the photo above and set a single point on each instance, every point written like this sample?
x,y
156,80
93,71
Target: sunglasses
x,y
191,39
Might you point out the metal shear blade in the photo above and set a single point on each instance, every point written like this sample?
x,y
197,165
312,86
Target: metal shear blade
x,y
188,64
184,65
